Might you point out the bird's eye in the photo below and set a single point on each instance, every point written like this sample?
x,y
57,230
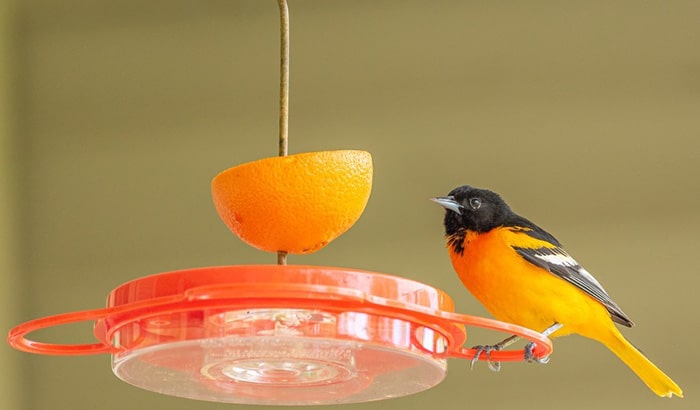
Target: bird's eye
x,y
475,203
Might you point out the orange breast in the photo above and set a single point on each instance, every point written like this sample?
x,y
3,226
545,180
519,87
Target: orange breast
x,y
516,291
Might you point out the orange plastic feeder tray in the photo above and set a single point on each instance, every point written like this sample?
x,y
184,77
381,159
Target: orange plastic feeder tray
x,y
277,335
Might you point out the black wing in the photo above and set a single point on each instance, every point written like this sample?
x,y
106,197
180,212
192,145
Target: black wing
x,y
557,261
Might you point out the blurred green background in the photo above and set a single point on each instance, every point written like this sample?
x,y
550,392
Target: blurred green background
x,y
114,117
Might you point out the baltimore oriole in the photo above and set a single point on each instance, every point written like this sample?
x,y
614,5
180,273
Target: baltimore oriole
x,y
521,274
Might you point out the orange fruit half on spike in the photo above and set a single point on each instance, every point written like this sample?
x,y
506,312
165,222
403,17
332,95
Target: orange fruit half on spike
x,y
296,203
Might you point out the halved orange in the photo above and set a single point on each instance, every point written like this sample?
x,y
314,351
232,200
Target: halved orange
x,y
296,203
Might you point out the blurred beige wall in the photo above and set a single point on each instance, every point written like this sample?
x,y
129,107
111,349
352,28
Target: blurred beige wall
x,y
11,385
584,115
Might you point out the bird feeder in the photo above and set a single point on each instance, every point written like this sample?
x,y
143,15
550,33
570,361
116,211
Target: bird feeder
x,y
277,334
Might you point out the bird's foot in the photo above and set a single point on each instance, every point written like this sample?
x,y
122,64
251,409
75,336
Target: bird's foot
x,y
530,356
486,350
530,347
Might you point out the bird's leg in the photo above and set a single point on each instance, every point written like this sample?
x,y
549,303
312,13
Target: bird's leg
x,y
530,347
486,350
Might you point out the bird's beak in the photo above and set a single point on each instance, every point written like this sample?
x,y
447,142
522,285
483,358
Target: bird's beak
x,y
449,203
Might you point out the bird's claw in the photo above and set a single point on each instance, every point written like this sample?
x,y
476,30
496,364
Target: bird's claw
x,y
530,356
486,350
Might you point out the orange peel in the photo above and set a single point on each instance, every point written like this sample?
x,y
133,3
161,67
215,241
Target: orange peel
x,y
296,203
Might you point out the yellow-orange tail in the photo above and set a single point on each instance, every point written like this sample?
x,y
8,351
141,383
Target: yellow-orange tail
x,y
651,375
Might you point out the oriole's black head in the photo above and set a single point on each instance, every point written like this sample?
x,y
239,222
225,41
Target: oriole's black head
x,y
475,209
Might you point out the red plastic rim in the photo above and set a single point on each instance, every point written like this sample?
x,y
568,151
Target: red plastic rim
x,y
274,286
